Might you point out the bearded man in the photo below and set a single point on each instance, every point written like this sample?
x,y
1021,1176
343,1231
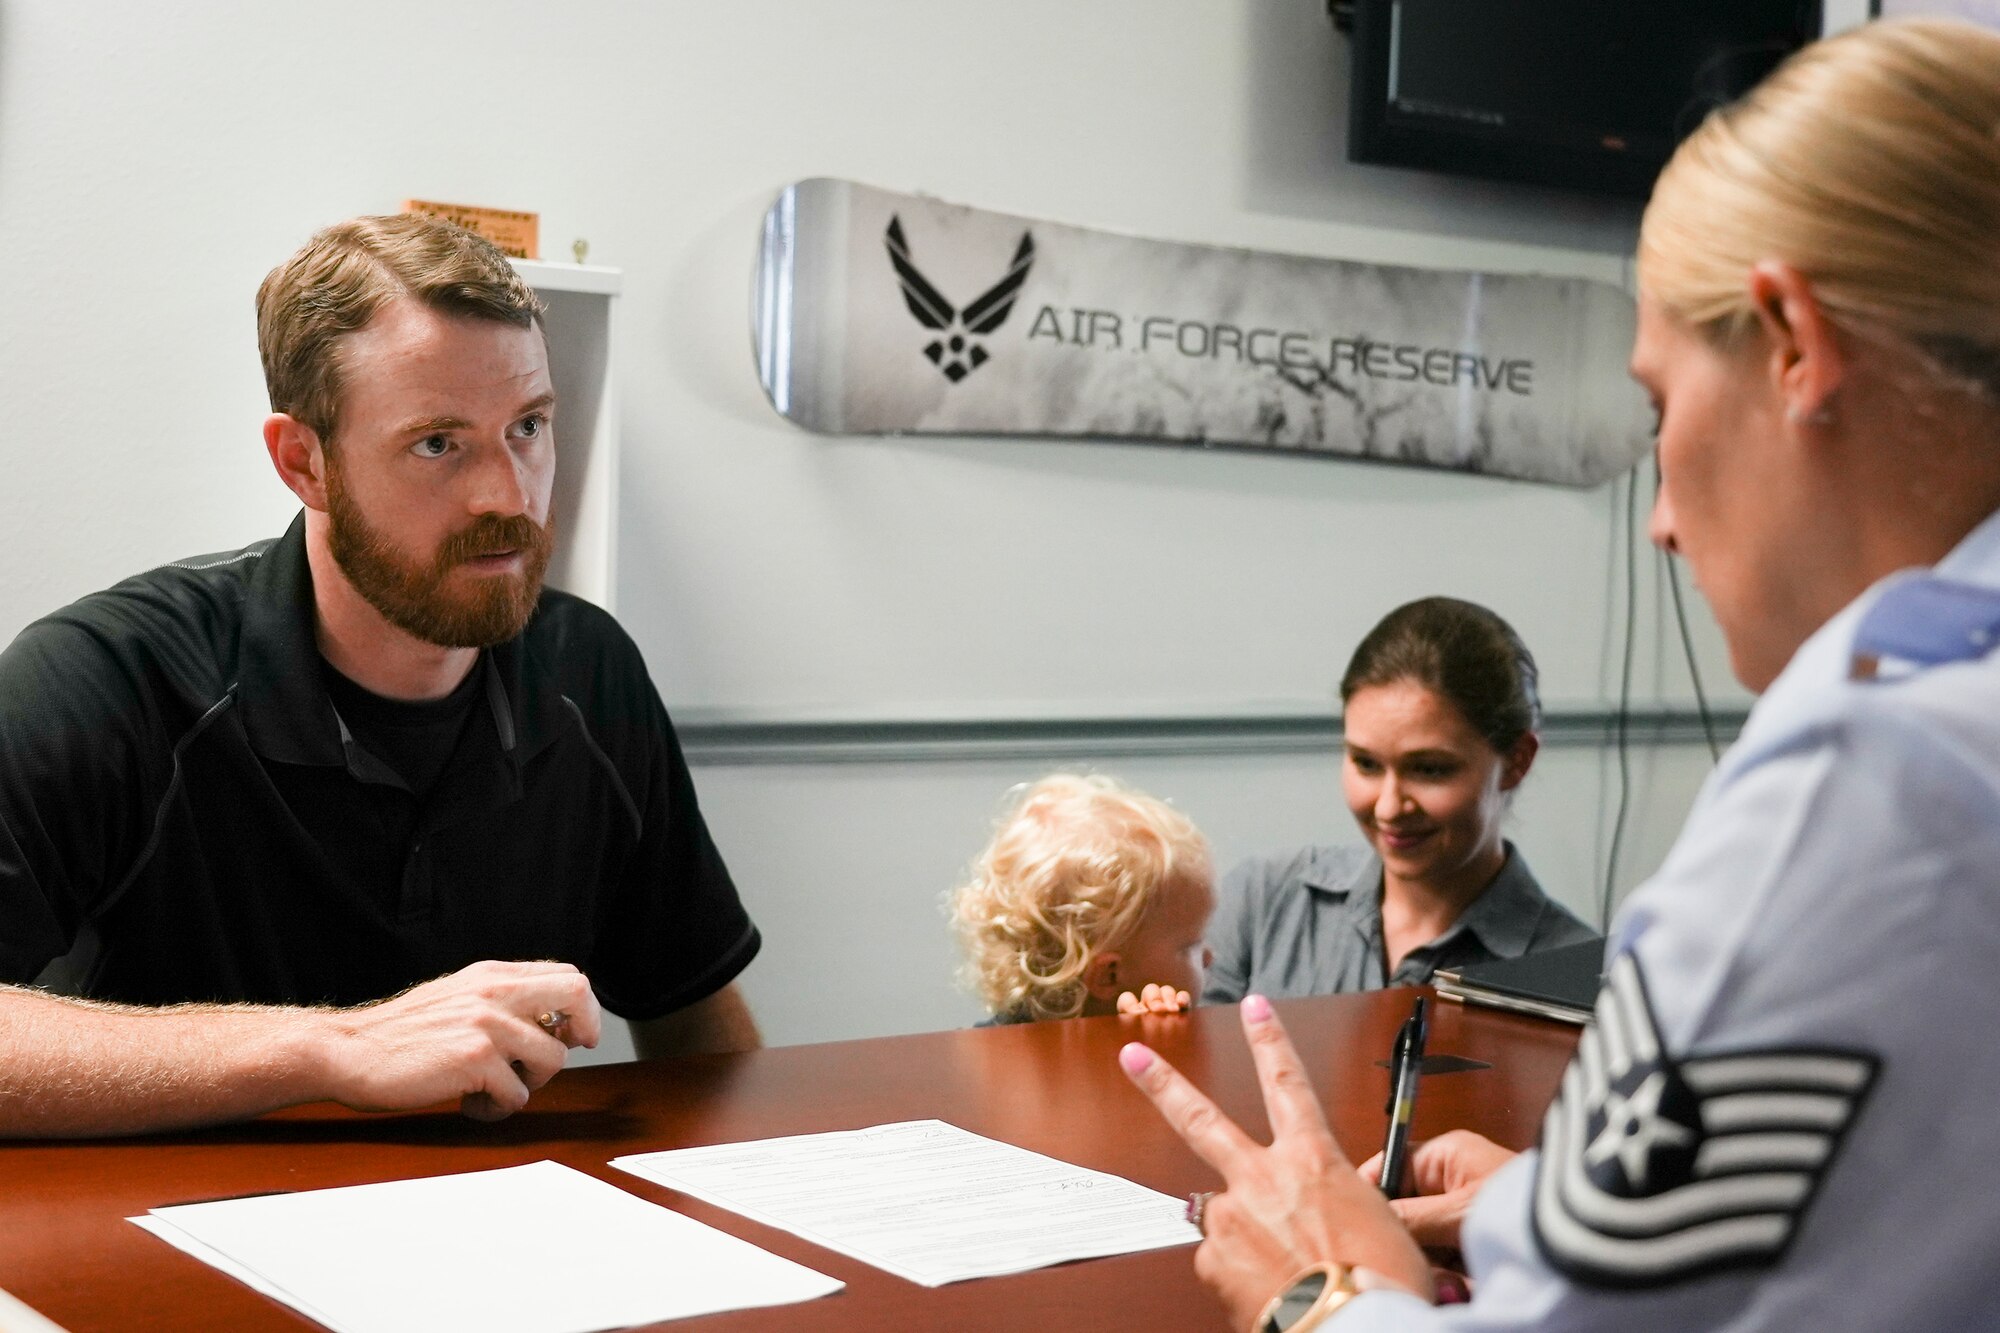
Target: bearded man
x,y
362,813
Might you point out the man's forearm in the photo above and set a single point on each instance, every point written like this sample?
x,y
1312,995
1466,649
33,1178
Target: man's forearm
x,y
485,1036
75,1068
719,1024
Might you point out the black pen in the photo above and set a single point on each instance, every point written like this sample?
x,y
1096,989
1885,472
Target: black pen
x,y
1406,1067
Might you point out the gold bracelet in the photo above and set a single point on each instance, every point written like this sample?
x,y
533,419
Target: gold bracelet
x,y
1307,1299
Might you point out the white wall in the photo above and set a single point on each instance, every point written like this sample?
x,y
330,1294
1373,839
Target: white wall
x,y
156,160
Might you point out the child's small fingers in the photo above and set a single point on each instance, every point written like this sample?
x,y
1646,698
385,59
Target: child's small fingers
x,y
1128,1003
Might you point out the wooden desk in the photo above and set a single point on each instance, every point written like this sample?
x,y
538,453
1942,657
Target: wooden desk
x,y
66,1249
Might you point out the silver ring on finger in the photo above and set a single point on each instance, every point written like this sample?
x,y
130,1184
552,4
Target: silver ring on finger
x,y
1197,1209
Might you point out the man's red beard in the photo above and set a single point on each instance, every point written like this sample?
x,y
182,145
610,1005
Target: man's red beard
x,y
414,596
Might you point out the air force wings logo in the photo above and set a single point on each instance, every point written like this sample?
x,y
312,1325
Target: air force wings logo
x,y
1656,1168
955,350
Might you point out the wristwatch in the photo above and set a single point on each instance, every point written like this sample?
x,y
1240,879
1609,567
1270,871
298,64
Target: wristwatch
x,y
1310,1297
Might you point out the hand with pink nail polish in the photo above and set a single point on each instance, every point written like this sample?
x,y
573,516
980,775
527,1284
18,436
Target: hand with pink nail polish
x,y
1286,1206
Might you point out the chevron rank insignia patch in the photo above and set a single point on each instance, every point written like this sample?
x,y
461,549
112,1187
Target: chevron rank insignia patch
x,y
1654,1169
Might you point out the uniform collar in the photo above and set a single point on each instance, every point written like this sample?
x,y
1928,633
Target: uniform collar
x,y
1801,692
1503,917
282,693
1976,559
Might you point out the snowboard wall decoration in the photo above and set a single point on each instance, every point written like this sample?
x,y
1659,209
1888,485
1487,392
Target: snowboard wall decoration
x,y
885,313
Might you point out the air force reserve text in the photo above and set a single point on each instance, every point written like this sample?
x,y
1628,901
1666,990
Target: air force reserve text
x,y
1285,349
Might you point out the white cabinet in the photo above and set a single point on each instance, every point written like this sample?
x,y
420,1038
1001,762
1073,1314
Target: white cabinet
x,y
582,324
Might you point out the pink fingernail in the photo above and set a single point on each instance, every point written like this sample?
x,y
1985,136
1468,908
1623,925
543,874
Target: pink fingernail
x,y
1256,1008
1134,1058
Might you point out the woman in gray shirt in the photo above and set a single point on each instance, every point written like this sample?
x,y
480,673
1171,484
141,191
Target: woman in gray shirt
x,y
1440,709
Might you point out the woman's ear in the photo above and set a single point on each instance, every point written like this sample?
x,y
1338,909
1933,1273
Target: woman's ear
x,y
1806,360
1101,976
1514,765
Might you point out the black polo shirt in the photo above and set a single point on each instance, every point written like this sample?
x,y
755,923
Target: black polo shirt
x,y
184,815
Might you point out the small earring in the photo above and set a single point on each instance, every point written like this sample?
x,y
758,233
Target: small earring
x,y
1819,416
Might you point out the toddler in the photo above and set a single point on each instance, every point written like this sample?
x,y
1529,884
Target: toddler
x,y
1091,899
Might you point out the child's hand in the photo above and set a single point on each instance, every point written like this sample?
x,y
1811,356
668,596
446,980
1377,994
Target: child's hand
x,y
1155,1000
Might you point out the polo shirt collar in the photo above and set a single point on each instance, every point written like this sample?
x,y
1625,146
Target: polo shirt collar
x,y
1354,881
527,703
1503,917
279,689
281,692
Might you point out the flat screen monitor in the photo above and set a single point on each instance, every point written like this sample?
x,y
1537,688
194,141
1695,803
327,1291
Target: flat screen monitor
x,y
1587,94
1984,12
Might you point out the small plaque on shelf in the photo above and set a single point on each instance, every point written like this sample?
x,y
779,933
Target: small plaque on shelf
x,y
517,234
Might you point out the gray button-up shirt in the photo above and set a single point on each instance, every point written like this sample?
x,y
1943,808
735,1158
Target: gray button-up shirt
x,y
1311,924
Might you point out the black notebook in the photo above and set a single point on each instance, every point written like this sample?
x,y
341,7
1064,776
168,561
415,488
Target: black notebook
x,y
1557,983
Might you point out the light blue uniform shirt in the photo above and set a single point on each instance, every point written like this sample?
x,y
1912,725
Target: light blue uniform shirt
x,y
1782,1118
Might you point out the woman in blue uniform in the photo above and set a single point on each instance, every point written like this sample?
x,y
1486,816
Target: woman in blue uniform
x,y
1780,1119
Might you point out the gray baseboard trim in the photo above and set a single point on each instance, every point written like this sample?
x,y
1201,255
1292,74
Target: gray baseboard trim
x,y
1066,739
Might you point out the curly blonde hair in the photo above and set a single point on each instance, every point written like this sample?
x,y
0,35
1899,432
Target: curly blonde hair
x,y
1075,864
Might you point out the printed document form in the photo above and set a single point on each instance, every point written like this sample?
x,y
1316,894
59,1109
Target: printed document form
x,y
524,1249
925,1200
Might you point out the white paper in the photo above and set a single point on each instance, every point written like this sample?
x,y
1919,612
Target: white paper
x,y
524,1249
925,1200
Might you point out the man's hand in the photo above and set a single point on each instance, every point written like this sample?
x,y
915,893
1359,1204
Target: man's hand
x,y
1155,999
1295,1203
477,1035
1446,1172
